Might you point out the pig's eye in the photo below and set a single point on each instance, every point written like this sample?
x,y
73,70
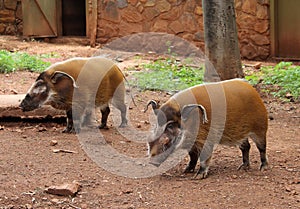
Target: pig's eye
x,y
170,126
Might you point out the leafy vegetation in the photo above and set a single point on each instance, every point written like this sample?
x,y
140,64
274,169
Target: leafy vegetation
x,y
12,61
280,81
168,75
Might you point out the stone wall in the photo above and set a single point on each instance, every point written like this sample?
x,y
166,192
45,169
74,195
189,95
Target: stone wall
x,y
11,17
253,21
184,18
118,18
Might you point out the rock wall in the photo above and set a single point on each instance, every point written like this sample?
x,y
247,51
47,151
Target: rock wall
x,y
11,17
253,21
184,18
118,18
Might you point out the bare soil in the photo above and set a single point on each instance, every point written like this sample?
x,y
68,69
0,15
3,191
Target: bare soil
x,y
28,164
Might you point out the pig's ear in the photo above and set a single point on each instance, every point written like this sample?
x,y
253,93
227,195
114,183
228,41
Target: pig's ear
x,y
58,74
187,109
155,105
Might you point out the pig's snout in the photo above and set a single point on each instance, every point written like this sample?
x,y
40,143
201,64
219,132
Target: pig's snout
x,y
27,104
157,160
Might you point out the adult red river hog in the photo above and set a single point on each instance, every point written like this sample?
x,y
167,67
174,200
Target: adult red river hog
x,y
203,116
77,85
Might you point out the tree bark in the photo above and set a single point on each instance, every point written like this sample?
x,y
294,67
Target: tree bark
x,y
222,53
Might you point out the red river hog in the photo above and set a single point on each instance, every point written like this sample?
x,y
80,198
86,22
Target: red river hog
x,y
77,85
200,117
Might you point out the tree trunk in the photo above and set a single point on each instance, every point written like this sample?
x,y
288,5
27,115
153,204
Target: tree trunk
x,y
222,54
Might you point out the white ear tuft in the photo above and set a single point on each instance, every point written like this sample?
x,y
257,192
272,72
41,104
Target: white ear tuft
x,y
186,110
58,74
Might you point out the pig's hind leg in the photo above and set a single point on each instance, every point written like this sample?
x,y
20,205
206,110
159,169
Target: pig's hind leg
x,y
245,148
120,105
105,112
261,143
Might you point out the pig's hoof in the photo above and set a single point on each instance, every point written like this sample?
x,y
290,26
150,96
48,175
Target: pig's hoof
x,y
244,166
69,131
103,126
122,125
264,166
202,173
189,169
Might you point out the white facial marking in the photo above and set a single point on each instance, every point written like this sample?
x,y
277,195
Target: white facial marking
x,y
39,90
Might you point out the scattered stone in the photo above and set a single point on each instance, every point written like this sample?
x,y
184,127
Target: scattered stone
x,y
138,125
257,65
18,130
56,201
119,59
63,150
288,95
66,189
288,188
28,206
42,129
1,128
53,143
14,91
127,192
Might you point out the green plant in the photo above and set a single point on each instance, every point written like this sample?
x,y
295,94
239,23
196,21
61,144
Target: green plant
x,y
12,61
280,80
167,75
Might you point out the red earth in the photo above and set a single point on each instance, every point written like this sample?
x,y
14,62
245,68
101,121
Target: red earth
x,y
28,164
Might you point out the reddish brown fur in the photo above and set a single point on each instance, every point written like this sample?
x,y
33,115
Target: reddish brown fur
x,y
245,115
98,81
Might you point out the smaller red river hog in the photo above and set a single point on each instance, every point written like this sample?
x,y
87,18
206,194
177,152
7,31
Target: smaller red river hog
x,y
78,85
200,117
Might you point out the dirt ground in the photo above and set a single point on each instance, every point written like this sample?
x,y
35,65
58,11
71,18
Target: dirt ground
x,y
28,164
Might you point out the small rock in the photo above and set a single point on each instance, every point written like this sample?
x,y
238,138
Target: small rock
x,y
1,128
28,206
18,130
288,95
288,189
146,122
42,129
14,91
55,200
119,59
138,125
257,65
66,189
53,143
127,192
234,176
63,150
